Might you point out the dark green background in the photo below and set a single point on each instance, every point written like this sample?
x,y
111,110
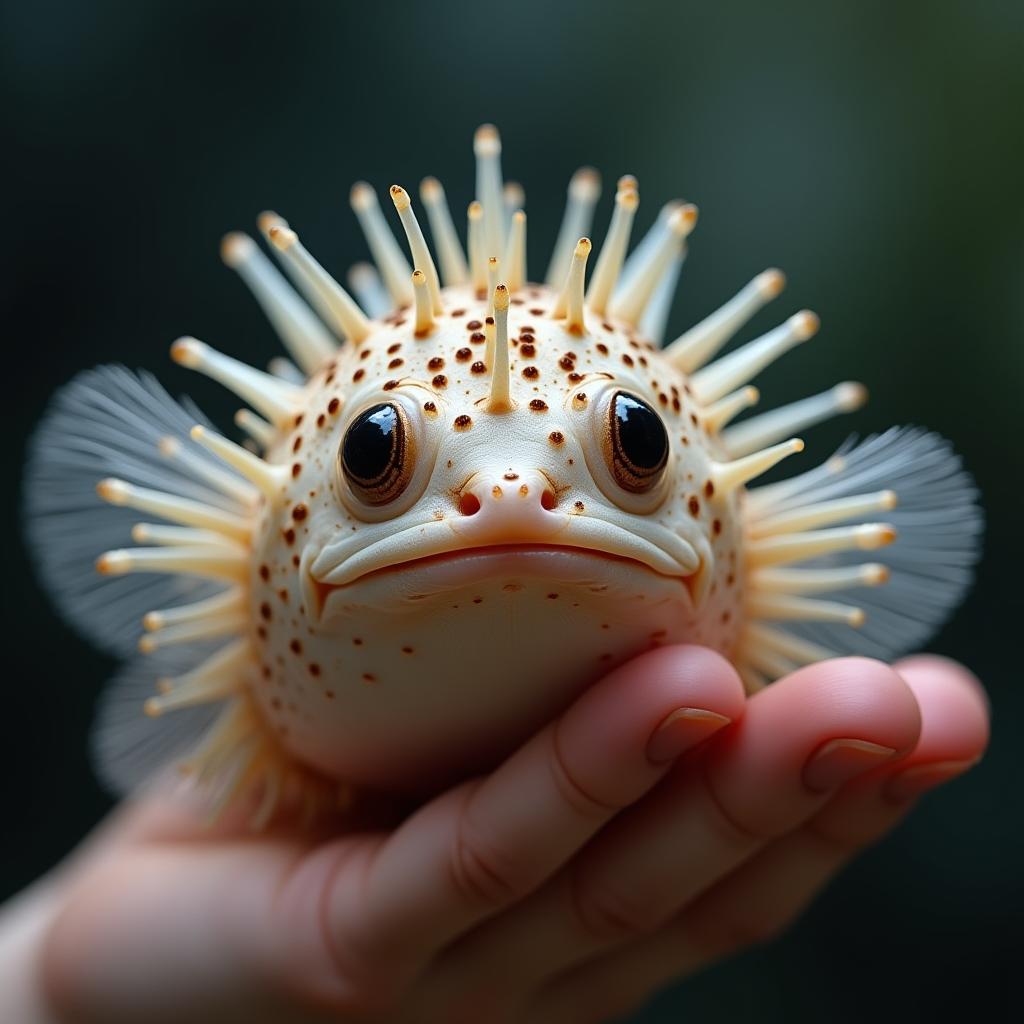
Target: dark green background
x,y
872,150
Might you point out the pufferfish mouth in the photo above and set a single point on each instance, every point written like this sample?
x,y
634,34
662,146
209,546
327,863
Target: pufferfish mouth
x,y
343,564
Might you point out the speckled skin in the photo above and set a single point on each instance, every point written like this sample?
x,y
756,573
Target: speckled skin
x,y
404,676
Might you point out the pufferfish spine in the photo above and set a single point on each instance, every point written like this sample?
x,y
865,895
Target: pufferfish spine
x,y
462,462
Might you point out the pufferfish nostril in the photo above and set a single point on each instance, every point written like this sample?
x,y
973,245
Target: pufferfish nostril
x,y
469,504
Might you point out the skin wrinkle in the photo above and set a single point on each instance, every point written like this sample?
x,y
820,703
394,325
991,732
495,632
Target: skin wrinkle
x,y
574,793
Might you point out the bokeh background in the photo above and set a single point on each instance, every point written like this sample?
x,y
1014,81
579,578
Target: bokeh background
x,y
873,150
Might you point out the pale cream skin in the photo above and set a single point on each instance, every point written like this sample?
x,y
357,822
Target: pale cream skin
x,y
482,643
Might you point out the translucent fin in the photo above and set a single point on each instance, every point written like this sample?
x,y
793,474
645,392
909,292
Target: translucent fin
x,y
112,422
129,747
938,522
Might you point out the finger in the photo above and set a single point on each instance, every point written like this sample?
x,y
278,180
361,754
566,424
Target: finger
x,y
486,845
798,741
769,892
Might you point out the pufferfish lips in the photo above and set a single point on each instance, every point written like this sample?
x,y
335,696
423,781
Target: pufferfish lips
x,y
499,513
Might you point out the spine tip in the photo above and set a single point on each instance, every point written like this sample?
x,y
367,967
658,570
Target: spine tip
x,y
361,197
805,324
187,352
235,248
770,283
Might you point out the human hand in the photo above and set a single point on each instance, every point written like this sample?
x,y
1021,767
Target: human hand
x,y
569,885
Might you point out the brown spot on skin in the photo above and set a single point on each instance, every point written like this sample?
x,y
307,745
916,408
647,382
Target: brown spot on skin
x,y
264,573
407,650
329,379
536,311
437,363
265,611
314,668
556,437
369,677
528,351
552,597
524,491
575,378
537,405
675,404
298,420
261,632
329,694
607,326
579,400
296,560
440,381
489,320
474,325
283,595
478,600
392,349
730,579
531,372
296,646
726,616
496,491
566,362
395,363
390,385
430,408
365,354
463,422
300,512
478,367
289,536
464,355
663,398
296,470
643,360
458,312
321,420
709,489
297,443
357,641
693,419
602,348
578,506
627,359
716,527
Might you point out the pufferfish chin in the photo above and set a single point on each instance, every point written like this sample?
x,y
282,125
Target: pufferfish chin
x,y
463,498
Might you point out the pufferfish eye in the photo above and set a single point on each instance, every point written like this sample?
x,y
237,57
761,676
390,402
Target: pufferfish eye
x,y
378,454
636,447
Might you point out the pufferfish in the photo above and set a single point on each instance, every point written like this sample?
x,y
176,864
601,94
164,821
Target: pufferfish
x,y
462,500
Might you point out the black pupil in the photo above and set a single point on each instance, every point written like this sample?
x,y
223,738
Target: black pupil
x,y
371,443
642,440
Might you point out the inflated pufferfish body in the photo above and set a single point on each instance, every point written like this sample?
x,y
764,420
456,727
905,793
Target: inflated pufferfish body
x,y
468,508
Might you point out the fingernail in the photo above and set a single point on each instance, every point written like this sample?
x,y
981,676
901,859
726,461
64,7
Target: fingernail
x,y
912,782
682,729
838,761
